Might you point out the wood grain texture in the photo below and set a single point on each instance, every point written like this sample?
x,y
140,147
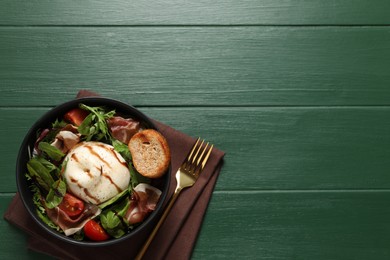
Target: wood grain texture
x,y
275,225
13,241
275,148
243,66
313,225
296,92
202,12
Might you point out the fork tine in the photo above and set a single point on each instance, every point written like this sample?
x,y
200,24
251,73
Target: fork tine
x,y
201,160
193,149
198,157
201,156
197,152
207,156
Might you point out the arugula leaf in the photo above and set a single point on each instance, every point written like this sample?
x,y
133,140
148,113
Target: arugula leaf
x,y
95,125
56,194
86,125
112,219
59,124
51,151
41,211
121,148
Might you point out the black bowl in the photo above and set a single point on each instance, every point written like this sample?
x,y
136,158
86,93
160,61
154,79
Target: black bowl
x,y
141,231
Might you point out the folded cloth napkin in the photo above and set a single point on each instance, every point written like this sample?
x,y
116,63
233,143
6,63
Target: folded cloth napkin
x,y
176,237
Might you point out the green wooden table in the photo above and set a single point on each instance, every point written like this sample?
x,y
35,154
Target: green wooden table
x,y
296,92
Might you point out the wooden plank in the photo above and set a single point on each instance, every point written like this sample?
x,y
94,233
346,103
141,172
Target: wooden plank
x,y
14,125
275,225
13,241
274,148
164,12
329,225
242,66
293,148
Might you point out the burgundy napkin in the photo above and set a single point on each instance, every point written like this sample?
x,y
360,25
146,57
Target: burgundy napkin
x,y
176,237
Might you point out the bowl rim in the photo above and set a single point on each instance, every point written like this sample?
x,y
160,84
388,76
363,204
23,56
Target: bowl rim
x,y
50,115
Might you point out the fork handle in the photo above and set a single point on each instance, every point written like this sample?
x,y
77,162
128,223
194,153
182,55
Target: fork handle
x,y
157,227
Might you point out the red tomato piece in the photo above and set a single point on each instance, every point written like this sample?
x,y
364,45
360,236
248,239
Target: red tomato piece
x,y
71,205
76,116
94,231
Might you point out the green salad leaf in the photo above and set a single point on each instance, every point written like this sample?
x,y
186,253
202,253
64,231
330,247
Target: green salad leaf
x,y
41,171
59,124
40,174
56,194
121,148
113,221
41,211
95,125
136,177
114,199
79,236
51,151
54,170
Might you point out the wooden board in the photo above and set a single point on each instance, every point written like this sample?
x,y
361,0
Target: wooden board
x,y
201,12
181,66
267,148
13,241
296,225
275,225
296,92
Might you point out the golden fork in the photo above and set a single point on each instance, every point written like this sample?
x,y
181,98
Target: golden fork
x,y
186,176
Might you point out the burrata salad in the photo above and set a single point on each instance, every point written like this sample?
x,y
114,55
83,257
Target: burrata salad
x,y
83,178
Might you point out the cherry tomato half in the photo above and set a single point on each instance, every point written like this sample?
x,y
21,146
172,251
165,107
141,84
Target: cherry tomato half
x,y
94,231
76,116
71,205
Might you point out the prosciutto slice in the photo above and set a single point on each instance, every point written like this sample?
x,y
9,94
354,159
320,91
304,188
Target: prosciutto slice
x,y
123,129
66,140
144,200
69,225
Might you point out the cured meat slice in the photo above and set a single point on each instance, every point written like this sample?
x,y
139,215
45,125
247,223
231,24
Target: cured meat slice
x,y
69,225
144,200
66,140
123,129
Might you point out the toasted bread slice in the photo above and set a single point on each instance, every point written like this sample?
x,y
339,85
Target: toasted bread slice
x,y
150,153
